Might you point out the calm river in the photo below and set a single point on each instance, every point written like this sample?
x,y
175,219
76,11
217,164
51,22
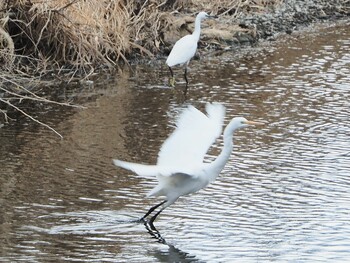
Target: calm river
x,y
284,196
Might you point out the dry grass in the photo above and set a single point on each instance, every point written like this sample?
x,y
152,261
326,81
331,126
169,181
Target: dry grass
x,y
39,38
85,35
234,8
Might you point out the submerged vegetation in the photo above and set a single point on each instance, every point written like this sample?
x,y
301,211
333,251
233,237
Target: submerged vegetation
x,y
75,38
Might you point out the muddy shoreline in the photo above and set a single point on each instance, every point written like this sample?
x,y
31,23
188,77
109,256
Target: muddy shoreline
x,y
291,16
294,14
235,26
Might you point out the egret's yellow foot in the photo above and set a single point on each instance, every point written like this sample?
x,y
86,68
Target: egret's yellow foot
x,y
172,82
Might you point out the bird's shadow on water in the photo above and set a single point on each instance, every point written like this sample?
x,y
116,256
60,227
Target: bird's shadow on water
x,y
109,222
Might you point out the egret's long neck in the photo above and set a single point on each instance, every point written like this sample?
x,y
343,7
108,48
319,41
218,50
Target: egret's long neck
x,y
223,157
197,28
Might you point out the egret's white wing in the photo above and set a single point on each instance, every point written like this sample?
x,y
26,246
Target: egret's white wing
x,y
195,133
183,50
143,170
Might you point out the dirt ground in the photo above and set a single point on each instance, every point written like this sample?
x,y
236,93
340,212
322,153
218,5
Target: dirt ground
x,y
290,16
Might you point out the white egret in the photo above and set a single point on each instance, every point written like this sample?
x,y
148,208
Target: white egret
x,y
185,48
180,169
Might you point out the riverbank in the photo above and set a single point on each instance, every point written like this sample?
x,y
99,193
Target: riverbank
x,y
64,40
79,38
292,15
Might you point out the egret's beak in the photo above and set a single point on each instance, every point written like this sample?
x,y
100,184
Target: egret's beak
x,y
212,16
253,123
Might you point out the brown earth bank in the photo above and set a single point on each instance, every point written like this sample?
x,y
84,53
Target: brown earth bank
x,y
84,36
48,42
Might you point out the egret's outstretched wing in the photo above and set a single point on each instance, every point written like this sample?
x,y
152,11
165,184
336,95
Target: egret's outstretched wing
x,y
193,136
143,170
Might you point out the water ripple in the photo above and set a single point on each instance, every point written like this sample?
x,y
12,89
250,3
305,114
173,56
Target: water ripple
x,y
283,196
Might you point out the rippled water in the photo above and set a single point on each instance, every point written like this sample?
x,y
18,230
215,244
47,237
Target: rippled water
x,y
284,195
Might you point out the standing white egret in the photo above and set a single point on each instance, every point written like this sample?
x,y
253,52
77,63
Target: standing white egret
x,y
180,169
185,48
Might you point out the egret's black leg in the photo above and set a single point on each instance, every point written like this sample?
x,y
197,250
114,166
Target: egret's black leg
x,y
185,75
186,88
154,218
152,209
171,72
171,79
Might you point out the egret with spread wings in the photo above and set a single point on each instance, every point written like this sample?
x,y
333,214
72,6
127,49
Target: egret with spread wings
x,y
180,167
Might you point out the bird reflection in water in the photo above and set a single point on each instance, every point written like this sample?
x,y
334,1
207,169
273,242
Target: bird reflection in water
x,y
173,254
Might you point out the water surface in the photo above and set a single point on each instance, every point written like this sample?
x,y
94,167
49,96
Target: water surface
x,y
283,196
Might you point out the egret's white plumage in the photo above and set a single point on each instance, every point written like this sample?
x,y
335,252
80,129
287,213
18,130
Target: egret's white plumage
x,y
185,48
180,167
195,132
179,55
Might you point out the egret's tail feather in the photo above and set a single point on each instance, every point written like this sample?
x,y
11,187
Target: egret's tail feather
x,y
143,170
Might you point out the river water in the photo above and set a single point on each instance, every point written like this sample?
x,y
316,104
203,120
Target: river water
x,y
283,196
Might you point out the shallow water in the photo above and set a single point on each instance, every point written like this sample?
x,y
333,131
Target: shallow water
x,y
284,195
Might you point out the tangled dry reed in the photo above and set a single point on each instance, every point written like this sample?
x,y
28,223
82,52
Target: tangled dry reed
x,y
86,35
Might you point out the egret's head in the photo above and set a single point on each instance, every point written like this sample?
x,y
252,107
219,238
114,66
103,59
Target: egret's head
x,y
203,15
243,122
239,122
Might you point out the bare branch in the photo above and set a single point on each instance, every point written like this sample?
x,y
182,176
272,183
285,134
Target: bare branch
x,y
30,117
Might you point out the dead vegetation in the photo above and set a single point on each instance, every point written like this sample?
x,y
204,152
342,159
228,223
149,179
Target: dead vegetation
x,y
69,38
39,36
